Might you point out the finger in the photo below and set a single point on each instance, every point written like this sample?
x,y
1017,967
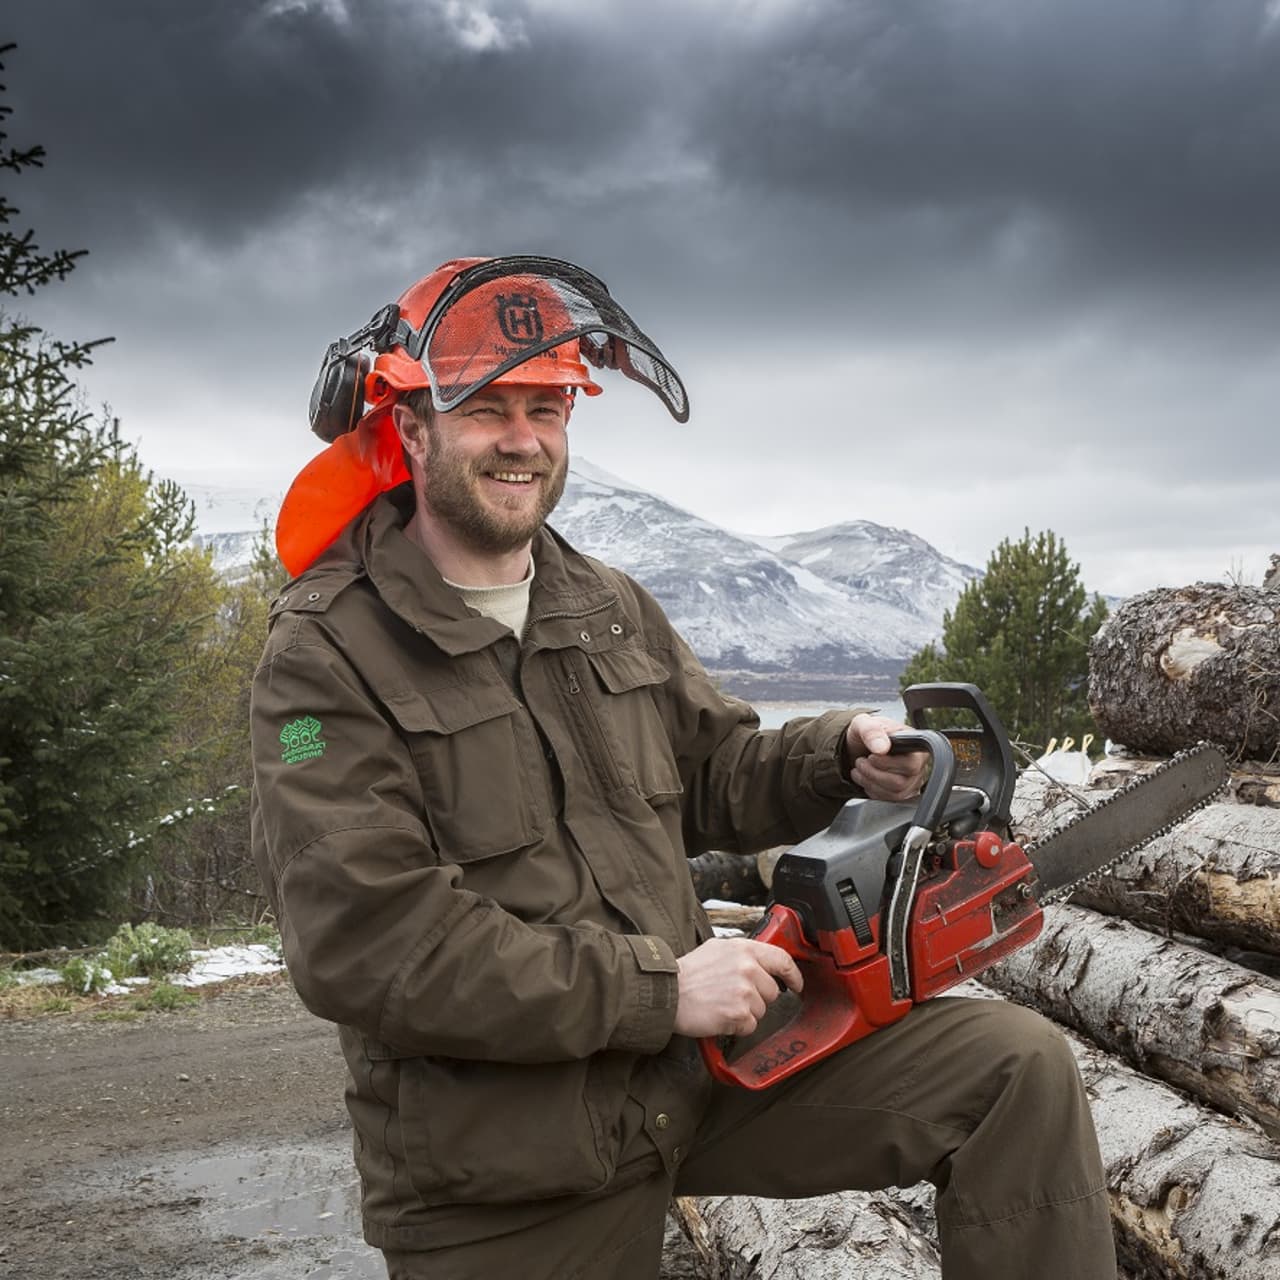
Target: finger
x,y
779,965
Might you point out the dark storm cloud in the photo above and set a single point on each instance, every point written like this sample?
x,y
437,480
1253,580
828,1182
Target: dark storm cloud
x,y
1064,149
219,118
1032,240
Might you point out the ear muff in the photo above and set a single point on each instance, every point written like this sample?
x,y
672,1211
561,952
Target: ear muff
x,y
337,399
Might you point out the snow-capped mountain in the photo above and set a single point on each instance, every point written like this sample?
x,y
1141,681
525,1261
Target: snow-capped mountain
x,y
833,613
746,610
229,522
891,565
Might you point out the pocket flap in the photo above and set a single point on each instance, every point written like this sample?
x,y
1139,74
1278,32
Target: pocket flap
x,y
447,708
621,670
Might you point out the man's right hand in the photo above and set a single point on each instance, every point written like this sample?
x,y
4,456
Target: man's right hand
x,y
726,984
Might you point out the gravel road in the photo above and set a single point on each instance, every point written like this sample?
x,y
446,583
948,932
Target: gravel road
x,y
210,1143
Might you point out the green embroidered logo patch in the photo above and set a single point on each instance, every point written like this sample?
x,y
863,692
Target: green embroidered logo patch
x,y
300,740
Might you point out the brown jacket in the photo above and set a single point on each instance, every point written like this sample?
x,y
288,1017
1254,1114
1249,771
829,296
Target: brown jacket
x,y
475,852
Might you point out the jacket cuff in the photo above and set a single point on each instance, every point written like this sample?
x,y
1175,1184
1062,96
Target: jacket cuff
x,y
831,763
649,1017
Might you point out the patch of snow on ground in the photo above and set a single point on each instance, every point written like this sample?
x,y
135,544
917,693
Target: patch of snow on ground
x,y
222,963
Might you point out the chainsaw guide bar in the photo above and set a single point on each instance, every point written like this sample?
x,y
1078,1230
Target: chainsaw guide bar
x,y
1127,820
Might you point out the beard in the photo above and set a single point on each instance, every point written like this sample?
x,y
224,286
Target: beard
x,y
451,488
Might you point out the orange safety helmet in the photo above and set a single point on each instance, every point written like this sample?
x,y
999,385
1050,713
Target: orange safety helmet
x,y
472,322
472,338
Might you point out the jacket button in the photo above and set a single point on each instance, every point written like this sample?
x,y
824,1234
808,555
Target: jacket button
x,y
314,595
676,1154
616,629
661,1120
584,636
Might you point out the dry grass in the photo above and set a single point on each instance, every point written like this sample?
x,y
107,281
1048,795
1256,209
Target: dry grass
x,y
22,1002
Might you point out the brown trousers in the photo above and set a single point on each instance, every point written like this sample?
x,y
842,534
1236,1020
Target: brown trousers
x,y
979,1097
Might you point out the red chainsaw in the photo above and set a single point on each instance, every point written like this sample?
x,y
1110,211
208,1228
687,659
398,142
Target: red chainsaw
x,y
894,903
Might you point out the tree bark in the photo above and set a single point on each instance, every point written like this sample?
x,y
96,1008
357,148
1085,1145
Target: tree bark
x,y
727,877
1194,1196
1216,875
1199,1022
1173,666
855,1233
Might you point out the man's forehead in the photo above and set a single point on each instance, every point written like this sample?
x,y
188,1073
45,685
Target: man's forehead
x,y
518,391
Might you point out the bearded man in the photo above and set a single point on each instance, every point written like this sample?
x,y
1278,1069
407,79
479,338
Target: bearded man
x,y
481,761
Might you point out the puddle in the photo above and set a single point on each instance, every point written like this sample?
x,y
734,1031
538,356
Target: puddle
x,y
286,1192
300,1201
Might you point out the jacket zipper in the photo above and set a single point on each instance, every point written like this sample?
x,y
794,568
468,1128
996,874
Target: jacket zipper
x,y
573,613
601,755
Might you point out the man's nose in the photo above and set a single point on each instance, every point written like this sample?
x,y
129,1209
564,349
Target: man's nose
x,y
518,435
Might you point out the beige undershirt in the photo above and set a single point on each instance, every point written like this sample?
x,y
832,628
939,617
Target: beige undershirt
x,y
507,604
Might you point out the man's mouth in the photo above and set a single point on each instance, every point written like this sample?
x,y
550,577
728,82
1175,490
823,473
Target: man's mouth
x,y
511,477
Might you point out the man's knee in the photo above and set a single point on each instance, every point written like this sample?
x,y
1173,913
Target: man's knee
x,y
1032,1067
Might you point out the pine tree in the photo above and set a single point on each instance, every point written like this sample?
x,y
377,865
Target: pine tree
x,y
201,869
1021,634
100,596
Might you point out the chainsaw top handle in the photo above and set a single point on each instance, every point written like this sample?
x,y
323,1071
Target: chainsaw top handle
x,y
937,790
984,761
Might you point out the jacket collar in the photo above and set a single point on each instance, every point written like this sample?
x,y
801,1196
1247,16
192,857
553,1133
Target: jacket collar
x,y
564,583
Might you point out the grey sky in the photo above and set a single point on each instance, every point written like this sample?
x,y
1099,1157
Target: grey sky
x,y
963,266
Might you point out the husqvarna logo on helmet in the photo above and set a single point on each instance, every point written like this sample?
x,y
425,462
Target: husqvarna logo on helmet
x,y
519,319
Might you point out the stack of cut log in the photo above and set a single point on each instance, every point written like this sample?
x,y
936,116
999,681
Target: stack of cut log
x,y
1164,975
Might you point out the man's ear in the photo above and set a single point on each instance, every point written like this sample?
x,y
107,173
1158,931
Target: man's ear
x,y
413,435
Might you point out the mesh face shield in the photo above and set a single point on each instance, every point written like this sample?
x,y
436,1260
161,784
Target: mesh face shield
x,y
526,314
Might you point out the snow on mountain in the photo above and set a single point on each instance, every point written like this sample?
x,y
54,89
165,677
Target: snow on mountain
x,y
747,609
832,613
229,521
891,565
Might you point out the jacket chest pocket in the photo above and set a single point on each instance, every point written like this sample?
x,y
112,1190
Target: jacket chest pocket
x,y
472,748
618,687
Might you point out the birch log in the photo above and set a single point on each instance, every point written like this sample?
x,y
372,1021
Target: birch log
x,y
1172,666
1202,1023
830,1237
1216,875
1194,1196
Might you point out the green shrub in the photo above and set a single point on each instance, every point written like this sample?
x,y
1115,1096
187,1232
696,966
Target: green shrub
x,y
149,951
86,975
165,997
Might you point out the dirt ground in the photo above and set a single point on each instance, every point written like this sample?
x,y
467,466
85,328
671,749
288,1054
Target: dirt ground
x,y
210,1143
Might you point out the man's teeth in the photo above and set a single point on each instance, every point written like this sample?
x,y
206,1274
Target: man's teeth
x,y
517,477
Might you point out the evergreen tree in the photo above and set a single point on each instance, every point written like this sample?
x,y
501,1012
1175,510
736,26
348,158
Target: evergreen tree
x,y
99,598
201,869
1021,634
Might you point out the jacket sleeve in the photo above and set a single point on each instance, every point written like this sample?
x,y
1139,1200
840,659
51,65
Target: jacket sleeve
x,y
379,935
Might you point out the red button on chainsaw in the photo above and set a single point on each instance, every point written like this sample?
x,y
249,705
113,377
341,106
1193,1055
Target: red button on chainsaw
x,y
987,849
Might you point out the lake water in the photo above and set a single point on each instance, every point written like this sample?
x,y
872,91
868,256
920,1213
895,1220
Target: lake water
x,y
773,714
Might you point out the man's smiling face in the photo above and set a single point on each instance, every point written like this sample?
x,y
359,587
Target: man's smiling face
x,y
495,467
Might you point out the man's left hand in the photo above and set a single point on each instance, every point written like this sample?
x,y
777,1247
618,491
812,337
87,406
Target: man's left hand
x,y
880,775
